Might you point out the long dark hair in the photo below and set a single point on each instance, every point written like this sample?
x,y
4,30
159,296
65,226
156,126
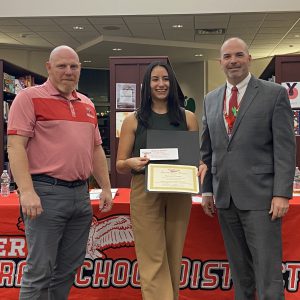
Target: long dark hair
x,y
173,104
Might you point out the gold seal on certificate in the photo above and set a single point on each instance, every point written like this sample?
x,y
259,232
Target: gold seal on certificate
x,y
172,178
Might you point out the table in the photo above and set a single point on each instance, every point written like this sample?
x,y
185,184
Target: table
x,y
110,269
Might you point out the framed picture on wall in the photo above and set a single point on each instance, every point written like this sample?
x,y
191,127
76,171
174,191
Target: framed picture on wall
x,y
125,95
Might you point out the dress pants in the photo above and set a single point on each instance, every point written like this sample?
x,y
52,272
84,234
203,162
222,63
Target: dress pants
x,y
254,250
160,222
56,241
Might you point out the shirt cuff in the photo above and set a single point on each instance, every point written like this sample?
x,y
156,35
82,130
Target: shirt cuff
x,y
207,194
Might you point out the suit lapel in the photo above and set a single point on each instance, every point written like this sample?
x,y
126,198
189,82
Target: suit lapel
x,y
248,97
220,110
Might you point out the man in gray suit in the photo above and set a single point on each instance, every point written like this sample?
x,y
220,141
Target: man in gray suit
x,y
250,155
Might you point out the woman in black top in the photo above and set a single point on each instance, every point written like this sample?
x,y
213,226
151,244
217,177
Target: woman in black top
x,y
159,220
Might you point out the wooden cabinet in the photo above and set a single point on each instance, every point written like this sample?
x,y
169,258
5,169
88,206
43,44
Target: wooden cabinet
x,y
94,83
285,68
103,124
8,86
126,70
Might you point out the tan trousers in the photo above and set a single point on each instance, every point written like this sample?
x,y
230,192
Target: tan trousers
x,y
160,222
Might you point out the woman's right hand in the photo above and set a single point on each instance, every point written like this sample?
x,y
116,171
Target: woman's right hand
x,y
137,163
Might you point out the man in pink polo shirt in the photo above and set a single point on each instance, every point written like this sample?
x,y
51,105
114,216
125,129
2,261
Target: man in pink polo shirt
x,y
54,145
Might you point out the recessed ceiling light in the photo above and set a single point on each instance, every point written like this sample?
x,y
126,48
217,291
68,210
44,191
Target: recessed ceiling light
x,y
297,35
177,26
78,27
198,55
117,49
87,61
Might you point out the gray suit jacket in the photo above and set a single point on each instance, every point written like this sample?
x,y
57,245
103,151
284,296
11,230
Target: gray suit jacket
x,y
258,161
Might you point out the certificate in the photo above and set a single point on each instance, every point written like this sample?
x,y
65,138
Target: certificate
x,y
172,178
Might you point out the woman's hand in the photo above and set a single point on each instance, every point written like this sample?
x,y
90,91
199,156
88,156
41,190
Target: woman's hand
x,y
137,163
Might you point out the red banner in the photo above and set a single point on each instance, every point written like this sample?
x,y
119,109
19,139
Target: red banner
x,y
110,269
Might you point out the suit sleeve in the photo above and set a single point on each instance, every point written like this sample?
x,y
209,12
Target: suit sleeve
x,y
284,146
206,152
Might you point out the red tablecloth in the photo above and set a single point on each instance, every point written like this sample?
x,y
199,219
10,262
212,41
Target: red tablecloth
x,y
110,270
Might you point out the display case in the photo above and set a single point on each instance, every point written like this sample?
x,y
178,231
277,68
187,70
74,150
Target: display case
x,y
12,79
285,68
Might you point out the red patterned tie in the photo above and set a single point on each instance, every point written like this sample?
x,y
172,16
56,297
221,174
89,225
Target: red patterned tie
x,y
233,107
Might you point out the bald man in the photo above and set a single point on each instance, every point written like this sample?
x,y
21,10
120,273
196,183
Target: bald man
x,y
248,145
54,145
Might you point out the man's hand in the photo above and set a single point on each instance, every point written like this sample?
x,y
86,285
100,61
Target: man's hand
x,y
208,205
105,202
279,207
31,204
202,171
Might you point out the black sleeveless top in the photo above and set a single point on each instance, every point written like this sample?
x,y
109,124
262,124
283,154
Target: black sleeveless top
x,y
157,122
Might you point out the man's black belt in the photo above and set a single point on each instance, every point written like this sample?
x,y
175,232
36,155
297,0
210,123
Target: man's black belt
x,y
56,181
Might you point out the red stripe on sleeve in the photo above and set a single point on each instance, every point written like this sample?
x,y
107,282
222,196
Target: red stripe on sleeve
x,y
47,109
12,132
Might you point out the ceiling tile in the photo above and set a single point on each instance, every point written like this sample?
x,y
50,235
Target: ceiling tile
x,y
220,20
209,38
40,28
262,46
106,20
247,37
273,23
293,35
9,21
4,28
150,31
283,16
290,41
246,24
186,21
5,39
34,41
266,37
267,30
36,21
141,20
84,37
241,31
247,17
122,31
60,38
179,34
71,21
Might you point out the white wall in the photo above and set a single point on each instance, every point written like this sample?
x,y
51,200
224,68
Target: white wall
x,y
259,65
15,8
191,79
33,60
216,77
